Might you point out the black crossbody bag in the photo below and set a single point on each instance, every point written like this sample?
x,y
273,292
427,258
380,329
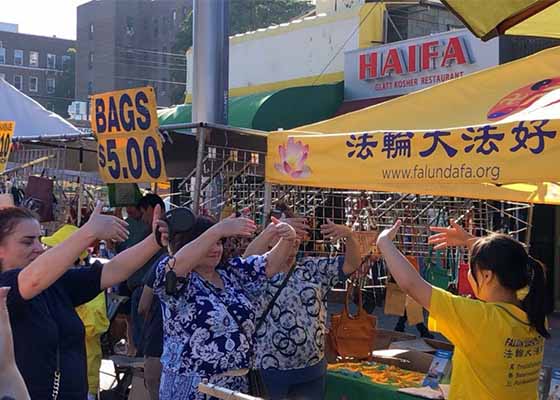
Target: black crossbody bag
x,y
256,382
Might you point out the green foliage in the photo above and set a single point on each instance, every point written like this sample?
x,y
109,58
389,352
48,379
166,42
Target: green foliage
x,y
244,16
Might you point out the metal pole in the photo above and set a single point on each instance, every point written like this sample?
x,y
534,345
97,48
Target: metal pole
x,y
80,188
267,201
198,175
210,63
529,227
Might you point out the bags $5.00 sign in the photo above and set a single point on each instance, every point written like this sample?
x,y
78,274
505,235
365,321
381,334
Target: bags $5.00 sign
x,y
129,146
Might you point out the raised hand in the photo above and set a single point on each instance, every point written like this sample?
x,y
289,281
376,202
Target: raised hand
x,y
106,227
236,226
334,231
388,235
299,224
454,235
284,230
159,224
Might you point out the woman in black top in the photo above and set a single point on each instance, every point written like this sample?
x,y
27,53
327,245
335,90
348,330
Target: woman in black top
x,y
48,334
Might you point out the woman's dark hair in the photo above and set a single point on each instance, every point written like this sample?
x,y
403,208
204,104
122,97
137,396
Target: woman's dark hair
x,y
515,269
10,217
150,200
179,239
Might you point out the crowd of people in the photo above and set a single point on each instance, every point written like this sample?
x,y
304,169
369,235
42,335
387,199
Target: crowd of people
x,y
255,324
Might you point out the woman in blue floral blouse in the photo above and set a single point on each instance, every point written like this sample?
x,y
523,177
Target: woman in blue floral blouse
x,y
209,322
290,342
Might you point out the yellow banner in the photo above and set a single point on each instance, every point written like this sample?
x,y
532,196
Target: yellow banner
x,y
6,133
130,148
521,151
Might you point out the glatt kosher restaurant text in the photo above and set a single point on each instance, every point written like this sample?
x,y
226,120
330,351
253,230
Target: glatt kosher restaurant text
x,y
402,67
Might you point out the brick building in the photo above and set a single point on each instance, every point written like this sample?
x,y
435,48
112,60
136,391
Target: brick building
x,y
39,66
128,43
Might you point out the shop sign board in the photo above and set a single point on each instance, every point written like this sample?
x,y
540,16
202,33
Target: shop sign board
x,y
403,67
6,133
129,144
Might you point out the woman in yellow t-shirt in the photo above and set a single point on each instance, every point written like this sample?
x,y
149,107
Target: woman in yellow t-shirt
x,y
499,340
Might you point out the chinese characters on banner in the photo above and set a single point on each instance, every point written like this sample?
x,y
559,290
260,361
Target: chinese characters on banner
x,y
521,151
129,145
6,133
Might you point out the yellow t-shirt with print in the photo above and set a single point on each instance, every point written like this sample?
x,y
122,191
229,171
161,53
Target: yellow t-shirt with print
x,y
497,356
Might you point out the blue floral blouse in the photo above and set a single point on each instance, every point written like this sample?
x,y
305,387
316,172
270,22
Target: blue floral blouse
x,y
200,336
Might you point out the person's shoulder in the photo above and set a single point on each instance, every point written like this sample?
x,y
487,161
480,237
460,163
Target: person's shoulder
x,y
7,277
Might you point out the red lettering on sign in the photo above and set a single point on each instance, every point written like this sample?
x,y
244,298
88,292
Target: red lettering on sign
x,y
368,66
413,58
454,53
429,52
392,63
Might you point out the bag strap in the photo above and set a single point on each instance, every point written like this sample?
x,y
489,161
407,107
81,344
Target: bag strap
x,y
265,313
57,374
349,292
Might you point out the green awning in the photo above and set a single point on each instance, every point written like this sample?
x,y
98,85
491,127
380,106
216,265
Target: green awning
x,y
268,111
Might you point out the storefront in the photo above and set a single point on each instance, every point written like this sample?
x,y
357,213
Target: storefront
x,y
380,73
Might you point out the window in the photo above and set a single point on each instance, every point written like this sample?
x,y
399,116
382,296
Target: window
x,y
51,85
90,33
2,55
156,27
66,62
130,26
174,16
18,82
90,60
33,84
18,57
33,59
51,61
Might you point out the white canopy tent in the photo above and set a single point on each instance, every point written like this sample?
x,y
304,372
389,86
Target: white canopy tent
x,y
31,118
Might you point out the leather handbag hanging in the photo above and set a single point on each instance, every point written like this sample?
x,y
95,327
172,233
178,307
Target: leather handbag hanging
x,y
395,300
39,197
353,336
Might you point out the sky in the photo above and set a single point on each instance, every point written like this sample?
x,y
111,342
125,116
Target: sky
x,y
42,17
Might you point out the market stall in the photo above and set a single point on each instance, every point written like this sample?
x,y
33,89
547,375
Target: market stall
x,y
491,137
50,164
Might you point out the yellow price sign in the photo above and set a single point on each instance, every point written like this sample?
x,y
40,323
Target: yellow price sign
x,y
6,133
129,146
131,158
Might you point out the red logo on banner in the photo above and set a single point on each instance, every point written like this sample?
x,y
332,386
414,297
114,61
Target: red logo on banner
x,y
523,98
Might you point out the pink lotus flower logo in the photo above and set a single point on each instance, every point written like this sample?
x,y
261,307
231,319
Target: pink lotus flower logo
x,y
292,159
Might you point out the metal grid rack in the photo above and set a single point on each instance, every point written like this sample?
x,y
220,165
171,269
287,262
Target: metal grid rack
x,y
233,180
51,163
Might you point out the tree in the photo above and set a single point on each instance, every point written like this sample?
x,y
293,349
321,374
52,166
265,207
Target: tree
x,y
244,16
